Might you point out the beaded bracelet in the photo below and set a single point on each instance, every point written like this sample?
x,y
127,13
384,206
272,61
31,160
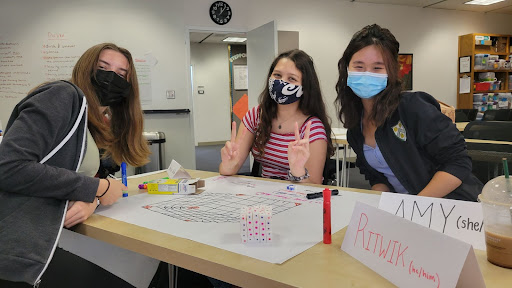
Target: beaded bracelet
x,y
105,190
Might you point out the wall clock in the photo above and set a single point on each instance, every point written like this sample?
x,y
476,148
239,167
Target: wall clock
x,y
220,12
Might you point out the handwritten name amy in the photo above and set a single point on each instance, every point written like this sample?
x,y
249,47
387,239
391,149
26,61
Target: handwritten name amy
x,y
438,216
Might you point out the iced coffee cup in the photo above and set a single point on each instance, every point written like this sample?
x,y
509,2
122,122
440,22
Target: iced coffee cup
x,y
496,199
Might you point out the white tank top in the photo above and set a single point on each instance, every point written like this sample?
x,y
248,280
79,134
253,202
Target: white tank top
x,y
91,161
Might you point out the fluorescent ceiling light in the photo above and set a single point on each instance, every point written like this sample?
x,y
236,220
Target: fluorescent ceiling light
x,y
483,2
234,39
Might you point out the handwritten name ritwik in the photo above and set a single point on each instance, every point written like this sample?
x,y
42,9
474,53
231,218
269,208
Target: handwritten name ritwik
x,y
392,251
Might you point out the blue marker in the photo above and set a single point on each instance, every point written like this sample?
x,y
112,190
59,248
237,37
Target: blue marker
x,y
124,179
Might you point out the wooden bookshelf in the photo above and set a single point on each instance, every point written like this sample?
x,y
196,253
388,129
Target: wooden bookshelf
x,y
469,46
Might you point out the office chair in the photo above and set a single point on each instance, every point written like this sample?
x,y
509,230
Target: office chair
x,y
460,116
465,115
329,172
497,115
487,157
471,114
489,130
256,169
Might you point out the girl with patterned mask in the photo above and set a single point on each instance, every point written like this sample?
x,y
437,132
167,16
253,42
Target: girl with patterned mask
x,y
288,133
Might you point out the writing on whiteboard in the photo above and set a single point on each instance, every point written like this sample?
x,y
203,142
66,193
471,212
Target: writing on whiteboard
x,y
59,56
56,36
14,78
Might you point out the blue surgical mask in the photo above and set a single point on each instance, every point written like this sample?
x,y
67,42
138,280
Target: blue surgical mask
x,y
366,84
283,92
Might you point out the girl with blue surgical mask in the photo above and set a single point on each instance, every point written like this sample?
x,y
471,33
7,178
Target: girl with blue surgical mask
x,y
288,133
403,142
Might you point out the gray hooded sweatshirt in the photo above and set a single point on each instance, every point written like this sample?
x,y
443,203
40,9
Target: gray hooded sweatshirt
x,y
42,148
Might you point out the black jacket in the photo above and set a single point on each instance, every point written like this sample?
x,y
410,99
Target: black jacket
x,y
427,143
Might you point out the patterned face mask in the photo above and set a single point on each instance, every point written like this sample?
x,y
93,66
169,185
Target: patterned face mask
x,y
283,92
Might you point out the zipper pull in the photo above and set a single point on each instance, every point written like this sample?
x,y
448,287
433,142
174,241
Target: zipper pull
x,y
36,285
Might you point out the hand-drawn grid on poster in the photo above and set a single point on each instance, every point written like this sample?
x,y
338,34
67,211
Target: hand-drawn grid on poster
x,y
216,207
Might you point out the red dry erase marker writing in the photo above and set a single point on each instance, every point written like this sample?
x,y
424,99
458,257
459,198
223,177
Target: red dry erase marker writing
x,y
327,216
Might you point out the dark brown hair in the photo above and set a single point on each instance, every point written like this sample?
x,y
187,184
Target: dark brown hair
x,y
122,138
311,103
349,104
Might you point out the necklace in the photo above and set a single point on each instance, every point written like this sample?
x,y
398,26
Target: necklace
x,y
279,126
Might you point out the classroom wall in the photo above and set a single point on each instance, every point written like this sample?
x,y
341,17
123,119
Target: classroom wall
x,y
153,28
326,28
210,64
160,27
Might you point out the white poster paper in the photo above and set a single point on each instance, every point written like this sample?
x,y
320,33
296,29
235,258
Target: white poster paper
x,y
459,219
212,217
408,254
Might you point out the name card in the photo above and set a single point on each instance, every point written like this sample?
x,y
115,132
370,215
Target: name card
x,y
408,254
459,219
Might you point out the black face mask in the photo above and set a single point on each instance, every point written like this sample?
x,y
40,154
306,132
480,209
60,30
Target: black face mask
x,y
111,88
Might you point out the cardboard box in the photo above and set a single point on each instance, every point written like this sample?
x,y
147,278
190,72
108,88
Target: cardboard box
x,y
174,186
484,42
479,38
178,182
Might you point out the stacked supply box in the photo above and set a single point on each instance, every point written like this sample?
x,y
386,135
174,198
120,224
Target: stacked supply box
x,y
174,186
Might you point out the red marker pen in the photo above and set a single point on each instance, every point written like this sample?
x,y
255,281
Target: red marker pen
x,y
327,216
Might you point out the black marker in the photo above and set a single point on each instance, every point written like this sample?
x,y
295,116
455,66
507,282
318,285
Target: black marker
x,y
319,194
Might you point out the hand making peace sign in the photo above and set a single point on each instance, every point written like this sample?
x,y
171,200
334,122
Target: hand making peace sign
x,y
298,151
230,153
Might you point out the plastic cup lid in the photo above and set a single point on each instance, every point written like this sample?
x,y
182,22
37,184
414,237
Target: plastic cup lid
x,y
497,191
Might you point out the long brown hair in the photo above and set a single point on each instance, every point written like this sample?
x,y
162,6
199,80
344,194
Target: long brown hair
x,y
349,104
122,138
311,103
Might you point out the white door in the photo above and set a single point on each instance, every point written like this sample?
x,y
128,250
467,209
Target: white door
x,y
261,51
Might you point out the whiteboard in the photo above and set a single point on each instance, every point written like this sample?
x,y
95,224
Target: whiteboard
x,y
42,41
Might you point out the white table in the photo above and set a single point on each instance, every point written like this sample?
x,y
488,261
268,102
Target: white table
x,y
319,266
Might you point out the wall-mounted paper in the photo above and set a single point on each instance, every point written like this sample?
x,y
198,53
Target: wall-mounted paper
x,y
144,67
465,84
240,77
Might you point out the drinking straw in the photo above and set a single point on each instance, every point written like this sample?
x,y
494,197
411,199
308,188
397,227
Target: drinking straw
x,y
505,167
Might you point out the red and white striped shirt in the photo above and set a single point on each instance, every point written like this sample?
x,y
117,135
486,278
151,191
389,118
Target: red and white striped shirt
x,y
274,162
